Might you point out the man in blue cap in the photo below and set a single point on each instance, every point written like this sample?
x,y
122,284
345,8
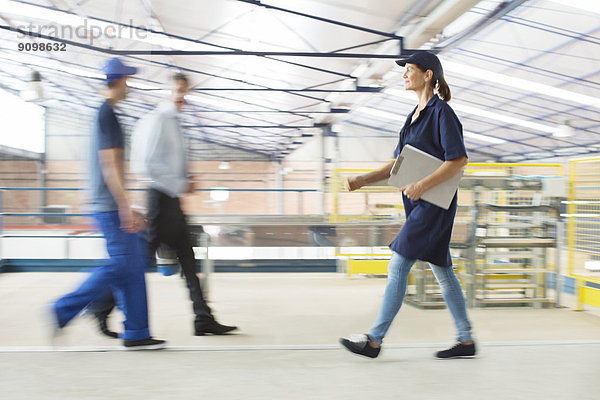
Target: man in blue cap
x,y
123,274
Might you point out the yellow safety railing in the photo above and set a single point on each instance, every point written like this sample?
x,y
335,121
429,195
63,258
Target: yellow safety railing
x,y
366,204
385,202
583,229
378,202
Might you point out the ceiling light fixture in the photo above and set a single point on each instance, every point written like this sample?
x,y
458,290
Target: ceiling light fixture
x,y
585,5
379,113
484,113
521,84
396,117
564,130
33,92
483,138
504,118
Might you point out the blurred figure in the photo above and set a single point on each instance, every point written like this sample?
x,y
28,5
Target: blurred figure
x,y
124,272
434,128
158,152
319,235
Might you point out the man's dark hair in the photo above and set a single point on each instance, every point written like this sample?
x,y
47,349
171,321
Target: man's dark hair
x,y
180,76
112,84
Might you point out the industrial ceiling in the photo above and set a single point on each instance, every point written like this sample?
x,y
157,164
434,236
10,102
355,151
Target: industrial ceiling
x,y
268,75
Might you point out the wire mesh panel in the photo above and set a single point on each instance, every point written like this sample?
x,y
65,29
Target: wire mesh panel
x,y
374,202
583,229
382,201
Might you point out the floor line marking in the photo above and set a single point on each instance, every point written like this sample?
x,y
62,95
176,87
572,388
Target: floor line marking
x,y
317,347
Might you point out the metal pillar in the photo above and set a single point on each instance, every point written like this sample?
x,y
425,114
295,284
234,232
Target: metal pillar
x,y
558,282
279,185
321,170
207,264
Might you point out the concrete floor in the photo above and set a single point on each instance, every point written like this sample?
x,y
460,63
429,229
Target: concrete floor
x,y
287,346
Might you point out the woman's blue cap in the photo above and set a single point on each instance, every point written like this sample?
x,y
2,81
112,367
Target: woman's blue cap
x,y
425,59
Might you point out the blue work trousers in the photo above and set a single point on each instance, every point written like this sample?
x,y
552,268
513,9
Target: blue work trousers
x,y
123,274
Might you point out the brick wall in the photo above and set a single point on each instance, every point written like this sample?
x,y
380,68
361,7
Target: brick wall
x,y
242,175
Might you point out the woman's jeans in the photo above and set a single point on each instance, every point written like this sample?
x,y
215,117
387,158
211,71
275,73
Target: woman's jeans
x,y
398,269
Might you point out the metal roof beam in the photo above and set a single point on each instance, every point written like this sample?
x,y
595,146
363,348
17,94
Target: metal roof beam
x,y
359,89
361,45
13,152
436,21
130,53
501,10
196,41
274,126
537,70
322,19
239,148
299,113
234,52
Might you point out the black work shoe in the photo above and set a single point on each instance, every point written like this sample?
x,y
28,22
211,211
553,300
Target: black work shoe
x,y
359,344
145,344
103,326
459,350
213,328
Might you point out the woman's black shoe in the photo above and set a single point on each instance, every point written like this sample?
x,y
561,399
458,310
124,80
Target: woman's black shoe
x,y
459,350
359,344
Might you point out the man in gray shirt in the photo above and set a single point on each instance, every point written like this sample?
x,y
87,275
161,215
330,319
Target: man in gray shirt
x,y
159,153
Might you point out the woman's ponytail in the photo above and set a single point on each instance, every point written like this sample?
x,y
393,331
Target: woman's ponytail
x,y
443,89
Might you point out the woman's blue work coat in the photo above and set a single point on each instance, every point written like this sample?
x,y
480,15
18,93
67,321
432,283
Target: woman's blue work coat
x,y
426,234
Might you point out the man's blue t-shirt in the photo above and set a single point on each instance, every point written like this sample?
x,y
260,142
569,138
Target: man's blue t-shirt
x,y
107,134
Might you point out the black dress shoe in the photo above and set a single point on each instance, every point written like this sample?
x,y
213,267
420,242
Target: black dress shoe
x,y
213,328
102,324
359,344
460,350
145,344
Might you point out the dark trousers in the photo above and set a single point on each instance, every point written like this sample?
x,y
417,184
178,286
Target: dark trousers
x,y
167,224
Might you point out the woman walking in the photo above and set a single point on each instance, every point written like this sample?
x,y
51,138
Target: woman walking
x,y
432,127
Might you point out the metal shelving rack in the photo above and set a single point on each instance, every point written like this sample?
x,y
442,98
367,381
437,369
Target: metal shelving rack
x,y
511,263
425,291
499,250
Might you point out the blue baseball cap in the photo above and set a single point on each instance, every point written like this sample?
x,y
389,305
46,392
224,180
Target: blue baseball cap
x,y
425,59
115,69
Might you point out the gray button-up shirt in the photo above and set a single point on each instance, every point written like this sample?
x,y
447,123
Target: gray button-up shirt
x,y
158,151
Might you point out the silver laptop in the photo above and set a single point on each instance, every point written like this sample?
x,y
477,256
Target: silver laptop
x,y
413,165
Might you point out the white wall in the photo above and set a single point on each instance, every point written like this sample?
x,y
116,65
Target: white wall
x,y
67,135
355,144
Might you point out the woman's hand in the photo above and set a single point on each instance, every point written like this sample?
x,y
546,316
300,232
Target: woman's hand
x,y
354,183
414,191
